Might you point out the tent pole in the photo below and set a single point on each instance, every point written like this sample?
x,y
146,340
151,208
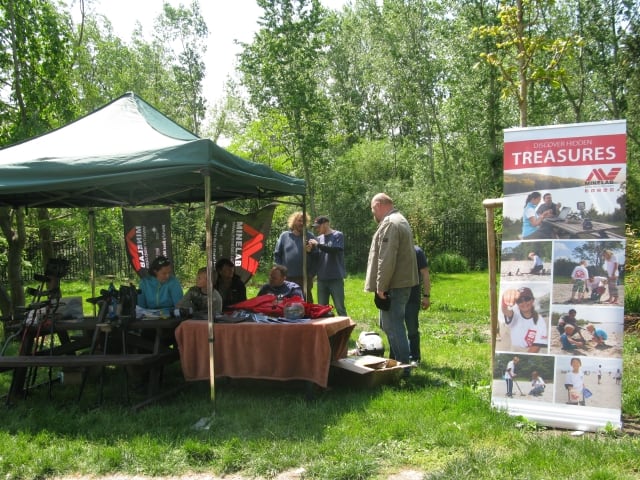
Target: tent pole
x,y
210,311
304,251
489,205
92,260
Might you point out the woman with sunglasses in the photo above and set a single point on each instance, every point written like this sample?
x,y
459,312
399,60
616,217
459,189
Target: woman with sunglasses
x,y
528,328
160,290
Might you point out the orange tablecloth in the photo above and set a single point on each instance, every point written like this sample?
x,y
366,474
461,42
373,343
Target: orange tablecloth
x,y
264,351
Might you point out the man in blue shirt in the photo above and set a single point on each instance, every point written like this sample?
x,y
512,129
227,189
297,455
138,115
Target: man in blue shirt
x,y
279,285
331,271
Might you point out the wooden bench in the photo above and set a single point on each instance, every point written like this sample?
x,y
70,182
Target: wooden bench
x,y
97,360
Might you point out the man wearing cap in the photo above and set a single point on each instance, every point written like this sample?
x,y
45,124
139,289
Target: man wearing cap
x,y
392,271
331,271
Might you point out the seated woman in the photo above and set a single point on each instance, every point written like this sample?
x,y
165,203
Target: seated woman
x,y
160,289
229,285
279,285
532,226
196,297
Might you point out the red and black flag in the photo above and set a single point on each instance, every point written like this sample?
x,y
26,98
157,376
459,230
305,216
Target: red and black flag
x,y
241,238
147,235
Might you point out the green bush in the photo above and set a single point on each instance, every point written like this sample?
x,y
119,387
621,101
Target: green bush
x,y
632,273
449,263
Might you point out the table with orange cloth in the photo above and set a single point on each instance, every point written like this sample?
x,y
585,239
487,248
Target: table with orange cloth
x,y
296,351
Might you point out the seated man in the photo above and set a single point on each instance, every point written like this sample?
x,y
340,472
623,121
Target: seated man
x,y
568,318
279,285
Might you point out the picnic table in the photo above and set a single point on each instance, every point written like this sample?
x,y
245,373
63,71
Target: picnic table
x,y
135,343
570,229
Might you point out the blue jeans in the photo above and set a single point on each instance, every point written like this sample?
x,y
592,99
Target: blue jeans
x,y
411,313
509,387
392,323
335,288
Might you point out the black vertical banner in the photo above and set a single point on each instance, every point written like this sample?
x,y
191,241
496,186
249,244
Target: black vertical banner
x,y
147,235
241,238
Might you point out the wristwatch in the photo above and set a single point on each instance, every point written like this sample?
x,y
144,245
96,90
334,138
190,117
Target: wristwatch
x,y
427,295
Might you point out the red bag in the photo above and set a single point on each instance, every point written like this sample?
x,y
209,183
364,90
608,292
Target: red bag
x,y
271,306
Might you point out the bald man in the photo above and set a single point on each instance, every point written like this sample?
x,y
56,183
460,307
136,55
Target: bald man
x,y
392,271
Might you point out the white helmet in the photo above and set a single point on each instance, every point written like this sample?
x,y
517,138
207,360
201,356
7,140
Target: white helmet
x,y
370,343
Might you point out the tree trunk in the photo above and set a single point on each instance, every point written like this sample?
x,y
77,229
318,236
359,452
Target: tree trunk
x,y
44,231
13,226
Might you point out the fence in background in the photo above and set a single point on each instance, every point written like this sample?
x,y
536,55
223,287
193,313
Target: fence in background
x,y
466,239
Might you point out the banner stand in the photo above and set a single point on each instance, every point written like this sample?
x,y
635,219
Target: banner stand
x,y
557,323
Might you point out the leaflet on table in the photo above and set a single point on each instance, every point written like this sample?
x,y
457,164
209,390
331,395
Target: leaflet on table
x,y
152,313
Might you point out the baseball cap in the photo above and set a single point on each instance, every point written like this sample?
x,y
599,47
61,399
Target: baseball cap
x,y
525,292
320,220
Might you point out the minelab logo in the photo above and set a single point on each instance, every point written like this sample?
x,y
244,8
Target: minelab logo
x,y
599,176
253,246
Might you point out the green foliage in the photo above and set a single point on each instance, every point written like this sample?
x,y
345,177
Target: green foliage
x,y
523,52
449,263
280,71
632,273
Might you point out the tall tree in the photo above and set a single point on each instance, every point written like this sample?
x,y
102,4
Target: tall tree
x,y
36,46
280,71
522,52
183,31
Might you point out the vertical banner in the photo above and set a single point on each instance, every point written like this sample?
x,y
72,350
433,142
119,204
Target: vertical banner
x,y
241,238
147,235
558,358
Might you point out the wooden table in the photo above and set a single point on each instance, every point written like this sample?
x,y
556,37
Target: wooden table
x,y
265,351
136,349
575,230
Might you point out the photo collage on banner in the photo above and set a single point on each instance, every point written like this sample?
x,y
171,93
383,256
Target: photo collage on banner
x,y
558,358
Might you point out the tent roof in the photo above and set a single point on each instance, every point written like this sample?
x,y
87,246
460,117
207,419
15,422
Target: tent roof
x,y
127,153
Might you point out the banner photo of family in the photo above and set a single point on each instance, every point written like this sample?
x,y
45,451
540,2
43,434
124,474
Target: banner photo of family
x,y
558,358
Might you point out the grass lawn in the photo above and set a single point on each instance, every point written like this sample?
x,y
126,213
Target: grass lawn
x,y
438,422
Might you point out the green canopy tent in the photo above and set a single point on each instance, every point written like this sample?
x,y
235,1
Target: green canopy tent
x,y
127,153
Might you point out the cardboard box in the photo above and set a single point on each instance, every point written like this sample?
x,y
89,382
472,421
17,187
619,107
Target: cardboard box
x,y
366,371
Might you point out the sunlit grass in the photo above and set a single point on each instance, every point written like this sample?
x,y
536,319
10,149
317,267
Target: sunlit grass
x,y
440,422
